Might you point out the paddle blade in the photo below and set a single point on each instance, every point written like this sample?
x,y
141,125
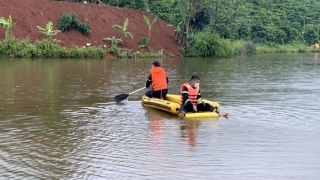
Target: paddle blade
x,y
121,97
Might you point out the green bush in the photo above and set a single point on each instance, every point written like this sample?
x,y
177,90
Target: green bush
x,y
76,52
28,50
144,42
84,28
67,21
207,44
96,52
14,47
250,48
48,47
61,53
114,51
244,47
9,45
1,48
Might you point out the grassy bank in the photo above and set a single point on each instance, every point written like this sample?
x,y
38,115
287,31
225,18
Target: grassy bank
x,y
243,47
50,48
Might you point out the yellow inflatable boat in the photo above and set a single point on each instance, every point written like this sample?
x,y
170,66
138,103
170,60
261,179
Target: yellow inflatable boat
x,y
172,105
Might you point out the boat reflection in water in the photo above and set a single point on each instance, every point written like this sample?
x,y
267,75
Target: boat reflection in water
x,y
161,122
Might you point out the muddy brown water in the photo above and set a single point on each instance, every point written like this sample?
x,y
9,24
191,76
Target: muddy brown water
x,y
58,120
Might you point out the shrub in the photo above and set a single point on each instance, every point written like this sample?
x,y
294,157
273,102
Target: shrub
x,y
1,49
207,44
67,21
84,28
114,50
28,50
48,47
76,52
93,52
249,48
144,42
9,45
14,47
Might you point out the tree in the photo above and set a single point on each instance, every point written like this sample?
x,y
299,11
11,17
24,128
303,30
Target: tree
x,y
311,36
187,9
225,13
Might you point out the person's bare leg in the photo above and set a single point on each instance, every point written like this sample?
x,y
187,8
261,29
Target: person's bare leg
x,y
224,114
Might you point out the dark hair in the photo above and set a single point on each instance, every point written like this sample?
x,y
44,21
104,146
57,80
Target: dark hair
x,y
156,64
195,77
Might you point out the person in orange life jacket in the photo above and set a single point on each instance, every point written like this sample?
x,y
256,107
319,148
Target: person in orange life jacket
x,y
191,99
159,81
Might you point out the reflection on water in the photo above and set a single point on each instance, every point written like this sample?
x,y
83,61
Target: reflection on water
x,y
189,130
58,120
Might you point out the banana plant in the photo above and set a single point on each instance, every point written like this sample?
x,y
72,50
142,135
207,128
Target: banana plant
x,y
48,31
7,24
113,39
123,29
146,19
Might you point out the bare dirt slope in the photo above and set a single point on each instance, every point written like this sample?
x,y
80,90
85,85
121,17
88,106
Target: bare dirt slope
x,y
28,14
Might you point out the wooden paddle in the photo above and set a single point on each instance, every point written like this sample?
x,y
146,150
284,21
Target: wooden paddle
x,y
122,97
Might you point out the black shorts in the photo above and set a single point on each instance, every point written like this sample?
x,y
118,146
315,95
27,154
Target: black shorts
x,y
157,94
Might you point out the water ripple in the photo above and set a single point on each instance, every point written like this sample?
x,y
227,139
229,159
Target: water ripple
x,y
66,126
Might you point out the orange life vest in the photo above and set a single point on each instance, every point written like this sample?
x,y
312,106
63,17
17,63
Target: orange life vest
x,y
192,92
159,79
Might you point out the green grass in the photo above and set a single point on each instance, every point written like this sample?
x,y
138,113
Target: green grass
x,y
242,47
48,48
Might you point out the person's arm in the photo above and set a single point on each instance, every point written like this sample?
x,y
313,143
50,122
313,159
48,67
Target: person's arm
x,y
199,95
167,79
149,81
185,96
199,99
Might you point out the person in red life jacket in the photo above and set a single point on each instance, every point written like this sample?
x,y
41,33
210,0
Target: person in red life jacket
x,y
191,99
159,81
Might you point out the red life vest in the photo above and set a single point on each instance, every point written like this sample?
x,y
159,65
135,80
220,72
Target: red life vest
x,y
159,79
192,92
